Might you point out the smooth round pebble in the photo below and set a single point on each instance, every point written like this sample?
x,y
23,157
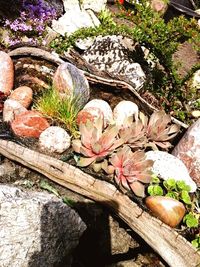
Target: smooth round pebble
x,y
104,107
54,139
123,110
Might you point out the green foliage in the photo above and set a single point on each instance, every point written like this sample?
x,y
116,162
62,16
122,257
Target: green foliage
x,y
170,188
178,190
61,109
191,220
196,242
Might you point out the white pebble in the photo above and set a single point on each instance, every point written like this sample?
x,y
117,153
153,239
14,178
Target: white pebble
x,y
123,110
54,139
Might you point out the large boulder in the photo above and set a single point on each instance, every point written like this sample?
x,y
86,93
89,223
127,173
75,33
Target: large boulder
x,y
36,229
188,150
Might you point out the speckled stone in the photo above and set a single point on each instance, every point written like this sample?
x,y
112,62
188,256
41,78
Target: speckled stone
x,y
188,150
115,54
54,139
168,166
22,94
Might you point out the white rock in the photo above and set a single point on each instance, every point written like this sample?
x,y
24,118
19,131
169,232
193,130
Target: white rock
x,y
196,80
73,20
95,5
54,139
111,53
91,114
104,107
11,109
123,110
168,166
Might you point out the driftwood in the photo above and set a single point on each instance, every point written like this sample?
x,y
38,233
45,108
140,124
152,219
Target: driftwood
x,y
98,77
171,246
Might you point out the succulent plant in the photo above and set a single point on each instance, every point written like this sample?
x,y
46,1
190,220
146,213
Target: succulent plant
x,y
131,169
134,135
95,143
154,132
158,130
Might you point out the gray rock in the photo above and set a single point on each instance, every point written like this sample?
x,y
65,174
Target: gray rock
x,y
36,229
168,166
115,54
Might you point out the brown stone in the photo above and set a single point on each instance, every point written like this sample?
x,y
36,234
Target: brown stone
x,y
7,73
188,150
29,124
23,94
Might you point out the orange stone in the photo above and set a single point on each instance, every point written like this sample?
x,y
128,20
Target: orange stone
x,y
168,210
22,94
7,73
29,124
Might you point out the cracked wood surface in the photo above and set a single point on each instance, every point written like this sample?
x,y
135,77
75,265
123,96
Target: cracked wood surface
x,y
171,246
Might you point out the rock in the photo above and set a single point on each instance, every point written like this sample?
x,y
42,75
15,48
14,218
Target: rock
x,y
196,80
29,124
22,94
71,82
54,139
115,54
104,107
36,229
168,166
11,109
95,5
159,6
168,210
90,113
123,110
195,113
7,73
73,20
188,150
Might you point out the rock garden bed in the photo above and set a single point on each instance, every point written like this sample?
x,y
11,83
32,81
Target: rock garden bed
x,y
84,120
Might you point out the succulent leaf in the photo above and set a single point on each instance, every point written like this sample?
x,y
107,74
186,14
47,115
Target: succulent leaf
x,y
138,189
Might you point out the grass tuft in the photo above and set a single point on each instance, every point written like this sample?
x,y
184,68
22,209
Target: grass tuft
x,y
61,109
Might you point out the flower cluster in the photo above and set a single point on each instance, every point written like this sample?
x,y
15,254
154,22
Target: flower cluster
x,y
33,19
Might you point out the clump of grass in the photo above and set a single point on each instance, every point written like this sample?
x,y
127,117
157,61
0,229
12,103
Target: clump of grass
x,y
62,110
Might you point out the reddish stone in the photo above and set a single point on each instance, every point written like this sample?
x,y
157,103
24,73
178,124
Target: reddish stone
x,y
29,124
22,94
188,150
7,73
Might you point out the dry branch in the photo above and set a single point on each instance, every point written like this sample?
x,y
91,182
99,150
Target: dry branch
x,y
171,246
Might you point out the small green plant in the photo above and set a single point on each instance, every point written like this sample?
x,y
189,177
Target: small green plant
x,y
179,190
196,242
63,110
